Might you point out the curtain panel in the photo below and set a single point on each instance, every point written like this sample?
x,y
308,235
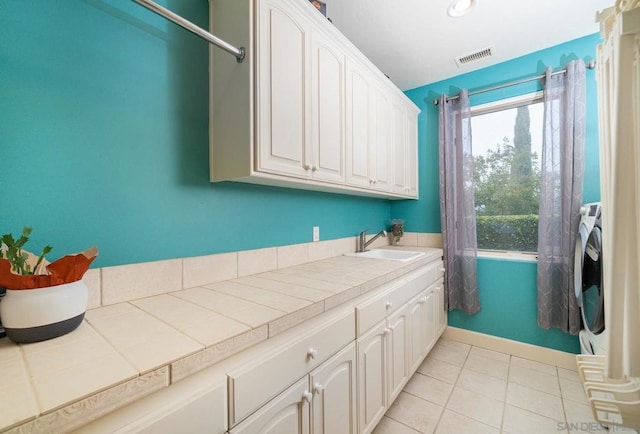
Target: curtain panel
x,y
562,174
457,205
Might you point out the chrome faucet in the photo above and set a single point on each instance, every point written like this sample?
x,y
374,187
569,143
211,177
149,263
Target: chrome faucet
x,y
362,243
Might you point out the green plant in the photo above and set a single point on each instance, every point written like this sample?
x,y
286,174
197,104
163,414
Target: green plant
x,y
508,232
16,256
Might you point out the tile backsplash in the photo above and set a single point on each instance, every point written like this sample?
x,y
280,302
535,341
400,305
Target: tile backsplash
x,y
121,283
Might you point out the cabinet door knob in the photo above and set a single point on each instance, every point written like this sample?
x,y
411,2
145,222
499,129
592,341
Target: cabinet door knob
x,y
314,168
306,167
442,269
318,388
388,305
423,300
387,330
307,396
312,353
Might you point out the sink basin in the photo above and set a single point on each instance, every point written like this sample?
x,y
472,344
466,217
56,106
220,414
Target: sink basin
x,y
391,255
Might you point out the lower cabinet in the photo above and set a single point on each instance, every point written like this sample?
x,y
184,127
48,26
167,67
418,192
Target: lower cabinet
x,y
422,323
333,409
372,378
393,349
398,337
288,413
439,309
321,402
383,369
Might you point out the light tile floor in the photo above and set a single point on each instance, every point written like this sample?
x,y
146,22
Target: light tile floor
x,y
462,389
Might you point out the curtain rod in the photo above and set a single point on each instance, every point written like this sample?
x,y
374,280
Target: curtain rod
x,y
590,65
239,53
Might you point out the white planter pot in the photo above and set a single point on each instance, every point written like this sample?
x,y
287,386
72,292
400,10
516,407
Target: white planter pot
x,y
33,315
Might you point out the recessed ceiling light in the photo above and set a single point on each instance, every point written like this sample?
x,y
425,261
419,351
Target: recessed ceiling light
x,y
460,7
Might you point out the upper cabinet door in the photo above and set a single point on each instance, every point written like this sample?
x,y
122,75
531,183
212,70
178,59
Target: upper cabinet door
x,y
404,141
412,154
381,154
327,109
358,131
284,87
399,144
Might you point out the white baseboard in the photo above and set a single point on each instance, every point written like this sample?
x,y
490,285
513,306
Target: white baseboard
x,y
515,348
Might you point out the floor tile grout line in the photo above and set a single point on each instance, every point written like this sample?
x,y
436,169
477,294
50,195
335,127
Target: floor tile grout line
x,y
444,407
506,392
562,398
400,422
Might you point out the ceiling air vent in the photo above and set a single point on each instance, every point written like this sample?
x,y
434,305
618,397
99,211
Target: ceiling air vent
x,y
474,57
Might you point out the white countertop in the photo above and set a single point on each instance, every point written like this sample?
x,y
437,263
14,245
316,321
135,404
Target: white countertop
x,y
125,351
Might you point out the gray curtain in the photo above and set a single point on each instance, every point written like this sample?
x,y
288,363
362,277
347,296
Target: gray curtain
x,y
562,174
457,210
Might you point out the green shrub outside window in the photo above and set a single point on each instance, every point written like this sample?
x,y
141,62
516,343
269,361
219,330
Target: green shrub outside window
x,y
507,232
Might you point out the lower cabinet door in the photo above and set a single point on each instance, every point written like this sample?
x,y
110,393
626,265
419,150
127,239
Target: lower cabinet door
x,y
440,312
422,319
399,352
372,390
333,409
418,331
288,413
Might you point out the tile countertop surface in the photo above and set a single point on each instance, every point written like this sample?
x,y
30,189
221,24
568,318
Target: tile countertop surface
x,y
127,350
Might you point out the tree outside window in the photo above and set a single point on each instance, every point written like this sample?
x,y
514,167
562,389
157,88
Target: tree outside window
x,y
507,177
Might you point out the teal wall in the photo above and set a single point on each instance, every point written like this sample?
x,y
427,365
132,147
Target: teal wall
x,y
104,141
507,288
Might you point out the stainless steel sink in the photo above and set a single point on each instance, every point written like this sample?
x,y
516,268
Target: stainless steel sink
x,y
390,255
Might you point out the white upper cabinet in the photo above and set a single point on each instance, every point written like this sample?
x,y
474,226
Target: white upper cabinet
x,y
283,87
369,147
404,138
411,154
358,126
305,109
327,109
381,152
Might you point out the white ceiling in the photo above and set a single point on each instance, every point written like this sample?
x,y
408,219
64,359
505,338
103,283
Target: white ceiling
x,y
415,42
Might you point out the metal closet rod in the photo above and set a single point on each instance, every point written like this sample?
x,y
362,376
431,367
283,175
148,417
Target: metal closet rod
x,y
239,53
590,65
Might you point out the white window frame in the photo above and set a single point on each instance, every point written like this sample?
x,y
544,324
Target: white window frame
x,y
496,106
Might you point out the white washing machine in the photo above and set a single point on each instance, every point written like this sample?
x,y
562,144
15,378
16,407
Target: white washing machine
x,y
588,280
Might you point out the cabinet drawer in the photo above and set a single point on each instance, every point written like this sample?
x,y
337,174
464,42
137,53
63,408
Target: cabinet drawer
x,y
253,384
375,309
438,271
433,271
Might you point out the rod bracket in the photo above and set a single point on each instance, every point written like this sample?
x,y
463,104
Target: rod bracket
x,y
240,57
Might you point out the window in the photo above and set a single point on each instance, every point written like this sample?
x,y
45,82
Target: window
x,y
507,145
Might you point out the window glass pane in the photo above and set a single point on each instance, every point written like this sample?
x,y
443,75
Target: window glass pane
x,y
507,147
